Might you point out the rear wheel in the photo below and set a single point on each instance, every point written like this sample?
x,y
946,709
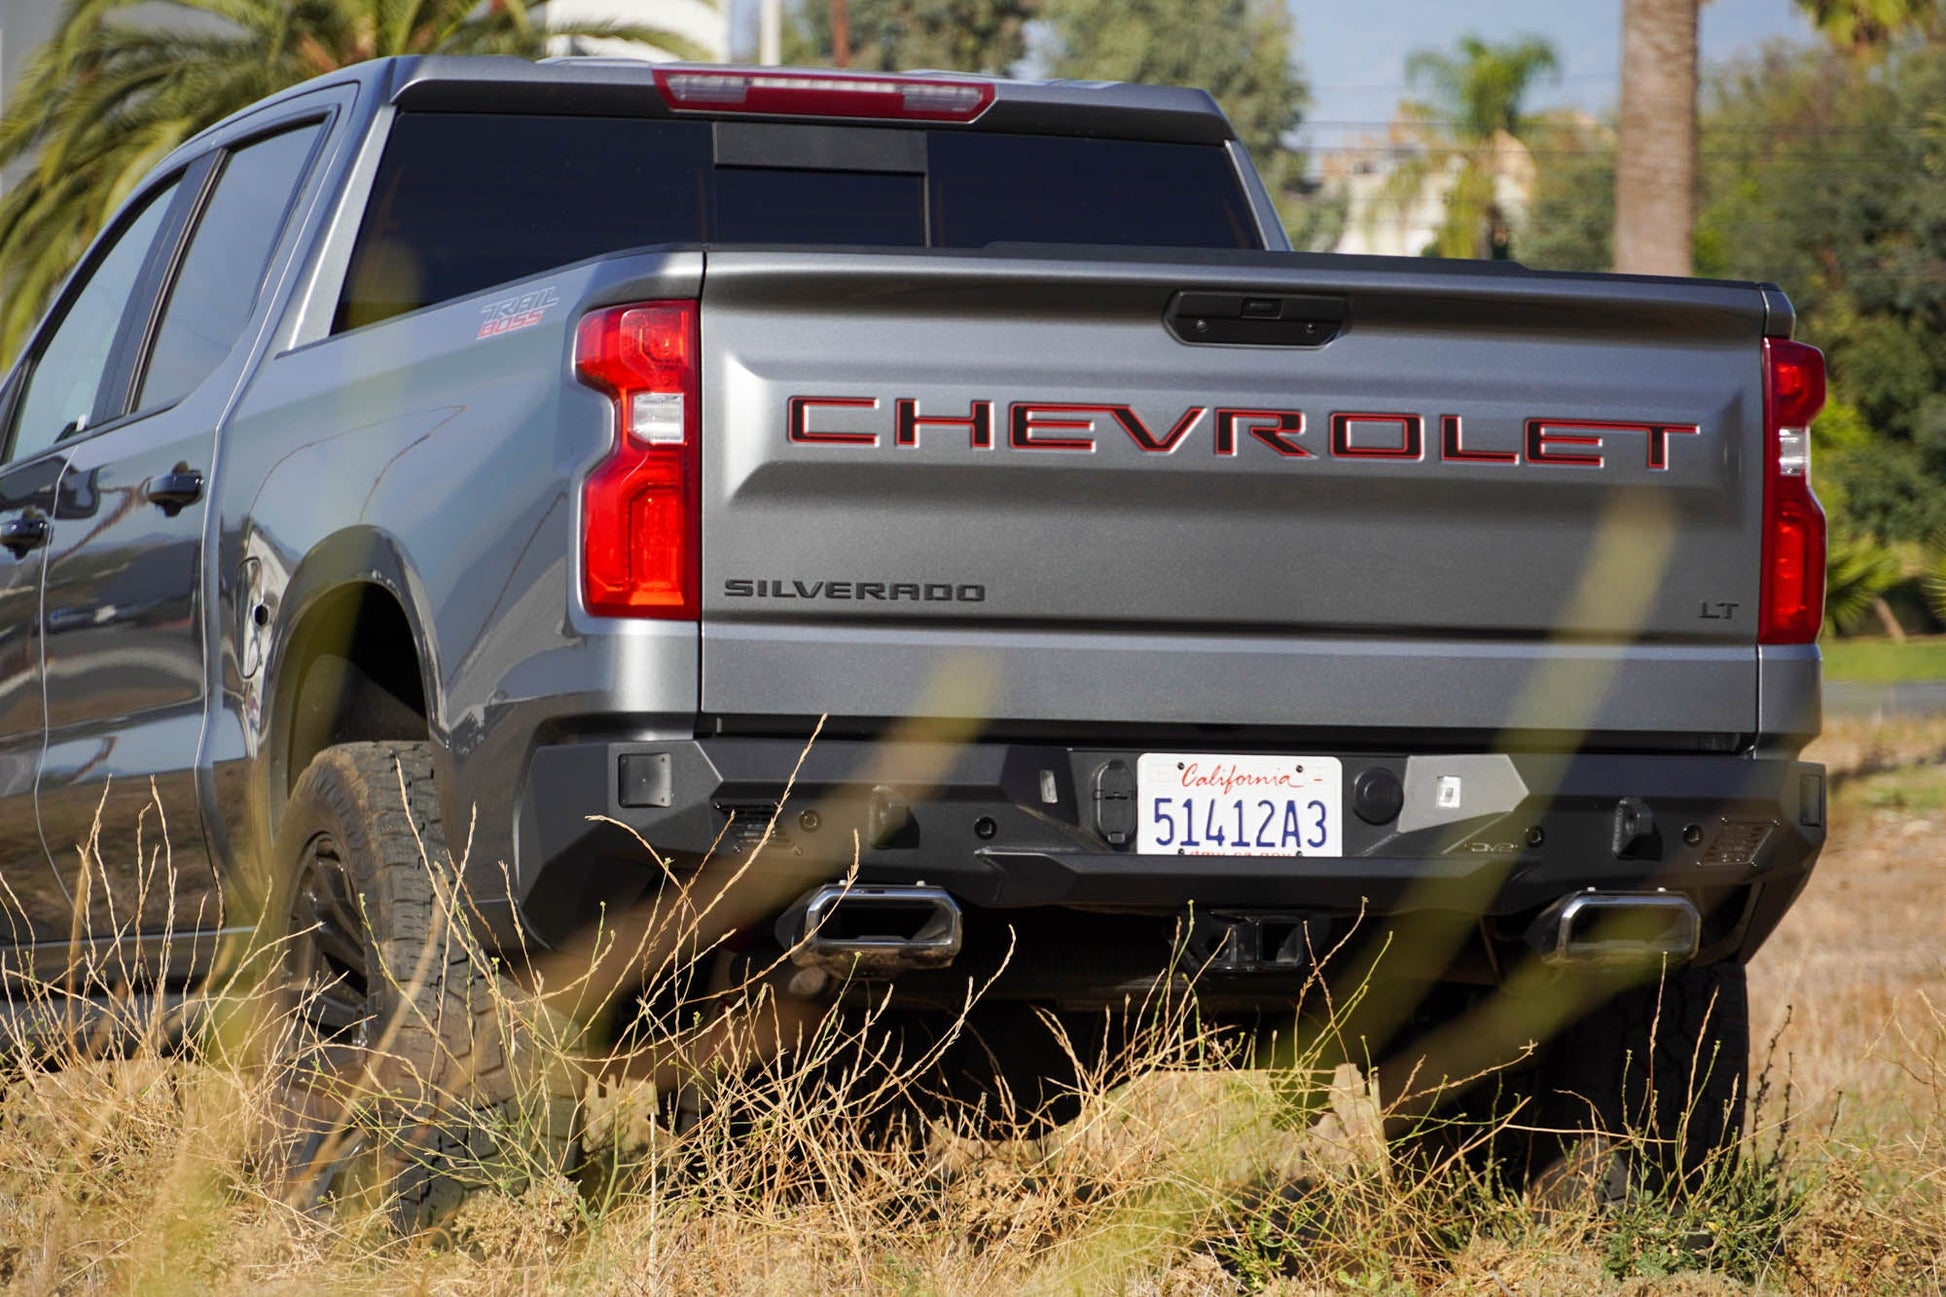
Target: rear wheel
x,y
1016,1071
408,1082
1645,1091
1649,1091
1483,1131
994,1071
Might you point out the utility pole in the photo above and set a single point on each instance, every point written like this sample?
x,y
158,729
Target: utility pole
x,y
1655,155
770,32
840,33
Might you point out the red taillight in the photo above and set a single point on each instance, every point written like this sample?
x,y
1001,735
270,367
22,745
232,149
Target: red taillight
x,y
640,511
823,94
1792,604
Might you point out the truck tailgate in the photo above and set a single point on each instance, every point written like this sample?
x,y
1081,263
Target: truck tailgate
x,y
1493,499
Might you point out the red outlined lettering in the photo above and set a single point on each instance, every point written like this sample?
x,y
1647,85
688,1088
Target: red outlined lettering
x,y
1590,433
1277,429
800,420
1542,434
1028,421
1077,426
907,421
1412,436
1139,432
1659,434
1451,451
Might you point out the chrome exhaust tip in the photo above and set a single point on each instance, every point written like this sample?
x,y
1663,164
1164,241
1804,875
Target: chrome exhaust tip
x,y
865,930
1618,928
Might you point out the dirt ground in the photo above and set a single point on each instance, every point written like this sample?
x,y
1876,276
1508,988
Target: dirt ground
x,y
1853,985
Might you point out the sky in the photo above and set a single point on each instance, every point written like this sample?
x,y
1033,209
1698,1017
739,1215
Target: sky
x,y
1353,53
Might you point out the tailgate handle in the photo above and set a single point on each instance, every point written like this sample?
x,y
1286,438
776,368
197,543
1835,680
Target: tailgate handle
x,y
1256,319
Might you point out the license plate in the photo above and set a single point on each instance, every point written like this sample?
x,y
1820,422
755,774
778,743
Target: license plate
x,y
1203,804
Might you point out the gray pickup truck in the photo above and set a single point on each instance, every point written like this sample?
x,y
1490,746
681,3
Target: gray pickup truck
x,y
519,463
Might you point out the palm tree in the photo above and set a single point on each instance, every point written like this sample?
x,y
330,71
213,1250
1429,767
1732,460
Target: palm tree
x,y
1859,569
1655,147
114,91
1475,107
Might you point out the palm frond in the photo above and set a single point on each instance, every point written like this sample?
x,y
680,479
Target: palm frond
x,y
1932,574
122,82
1475,99
1858,571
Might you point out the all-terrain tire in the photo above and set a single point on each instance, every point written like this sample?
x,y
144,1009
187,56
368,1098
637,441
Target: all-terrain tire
x,y
1654,1083
1009,1069
1484,1130
408,1083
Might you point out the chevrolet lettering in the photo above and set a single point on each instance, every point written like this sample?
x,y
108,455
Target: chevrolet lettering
x,y
1069,425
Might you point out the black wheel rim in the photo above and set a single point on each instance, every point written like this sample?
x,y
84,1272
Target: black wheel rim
x,y
331,955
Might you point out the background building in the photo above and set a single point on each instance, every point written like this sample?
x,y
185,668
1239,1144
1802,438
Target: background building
x,y
1396,187
705,23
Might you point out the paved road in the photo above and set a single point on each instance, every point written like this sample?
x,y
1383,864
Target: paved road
x,y
1910,698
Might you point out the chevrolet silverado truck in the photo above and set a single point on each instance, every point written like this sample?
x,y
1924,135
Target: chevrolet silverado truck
x,y
939,518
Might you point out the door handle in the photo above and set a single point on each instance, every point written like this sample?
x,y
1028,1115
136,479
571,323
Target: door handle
x,y
175,489
18,535
1256,319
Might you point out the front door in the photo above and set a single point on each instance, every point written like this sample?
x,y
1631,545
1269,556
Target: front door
x,y
34,898
55,392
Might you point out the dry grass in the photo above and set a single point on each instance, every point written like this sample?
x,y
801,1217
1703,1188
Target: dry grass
x,y
1852,746
1854,988
139,1170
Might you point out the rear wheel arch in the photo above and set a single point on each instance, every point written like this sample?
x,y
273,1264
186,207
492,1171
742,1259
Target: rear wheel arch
x,y
352,668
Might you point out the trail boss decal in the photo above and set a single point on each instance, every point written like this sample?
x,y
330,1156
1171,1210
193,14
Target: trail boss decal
x,y
1349,434
522,312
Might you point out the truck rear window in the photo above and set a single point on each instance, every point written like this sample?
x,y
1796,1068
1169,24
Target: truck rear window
x,y
464,201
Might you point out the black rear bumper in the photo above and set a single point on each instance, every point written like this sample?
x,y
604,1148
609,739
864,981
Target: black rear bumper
x,y
1011,827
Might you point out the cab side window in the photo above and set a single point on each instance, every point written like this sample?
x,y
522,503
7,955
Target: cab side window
x,y
66,373
222,273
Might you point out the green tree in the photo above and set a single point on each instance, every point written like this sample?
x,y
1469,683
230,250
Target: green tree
x,y
1868,26
1571,219
1241,51
1821,174
1932,574
1481,88
1475,106
123,82
1858,571
900,35
1818,179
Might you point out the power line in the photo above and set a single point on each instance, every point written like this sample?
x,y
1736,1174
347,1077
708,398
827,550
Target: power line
x,y
1404,151
1769,128
1576,77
